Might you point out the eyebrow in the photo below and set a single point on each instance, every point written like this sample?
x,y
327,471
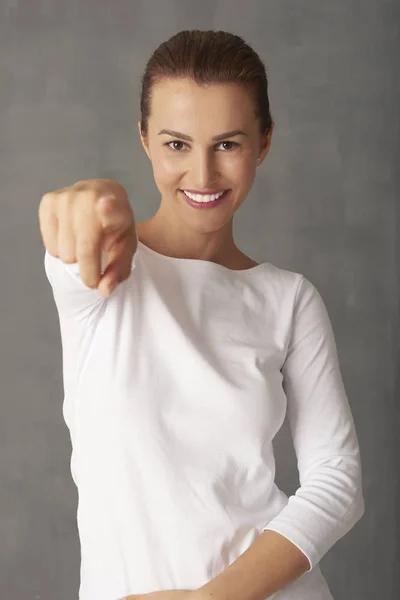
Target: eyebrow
x,y
216,138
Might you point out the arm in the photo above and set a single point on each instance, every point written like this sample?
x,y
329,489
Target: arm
x,y
247,578
268,565
329,500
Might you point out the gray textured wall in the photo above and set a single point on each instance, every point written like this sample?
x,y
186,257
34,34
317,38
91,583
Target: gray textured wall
x,y
325,203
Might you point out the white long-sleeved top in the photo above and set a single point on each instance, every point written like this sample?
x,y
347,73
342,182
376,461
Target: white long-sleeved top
x,y
175,387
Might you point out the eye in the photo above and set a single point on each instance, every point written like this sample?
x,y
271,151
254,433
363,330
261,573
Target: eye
x,y
233,144
174,142
175,149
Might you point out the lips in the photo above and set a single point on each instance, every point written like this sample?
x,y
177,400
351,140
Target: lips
x,y
204,205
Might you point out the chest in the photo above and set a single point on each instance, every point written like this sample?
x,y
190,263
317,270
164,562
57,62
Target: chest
x,y
203,376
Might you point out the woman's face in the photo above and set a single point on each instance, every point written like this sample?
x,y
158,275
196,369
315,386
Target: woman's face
x,y
190,158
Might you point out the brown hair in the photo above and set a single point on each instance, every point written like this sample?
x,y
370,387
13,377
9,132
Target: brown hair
x,y
208,57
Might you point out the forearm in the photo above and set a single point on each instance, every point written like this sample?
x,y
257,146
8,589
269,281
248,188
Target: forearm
x,y
268,565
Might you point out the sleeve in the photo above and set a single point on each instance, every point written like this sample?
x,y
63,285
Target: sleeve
x,y
78,308
329,501
74,300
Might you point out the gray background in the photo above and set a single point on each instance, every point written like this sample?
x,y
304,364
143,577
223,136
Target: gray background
x,y
325,203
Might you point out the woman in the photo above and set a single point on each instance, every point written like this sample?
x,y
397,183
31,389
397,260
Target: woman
x,y
179,373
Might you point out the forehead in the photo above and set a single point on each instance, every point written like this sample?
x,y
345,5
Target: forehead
x,y
184,100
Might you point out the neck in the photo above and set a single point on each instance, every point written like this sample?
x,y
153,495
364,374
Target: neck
x,y
177,239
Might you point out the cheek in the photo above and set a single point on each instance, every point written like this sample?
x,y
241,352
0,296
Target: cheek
x,y
165,170
241,170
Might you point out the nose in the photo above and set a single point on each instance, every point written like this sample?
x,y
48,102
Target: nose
x,y
204,171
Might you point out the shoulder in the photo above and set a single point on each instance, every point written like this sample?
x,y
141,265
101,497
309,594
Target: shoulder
x,y
288,282
293,290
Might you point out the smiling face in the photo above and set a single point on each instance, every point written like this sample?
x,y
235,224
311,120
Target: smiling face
x,y
203,139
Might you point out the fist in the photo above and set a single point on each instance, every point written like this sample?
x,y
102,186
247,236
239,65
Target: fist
x,y
86,223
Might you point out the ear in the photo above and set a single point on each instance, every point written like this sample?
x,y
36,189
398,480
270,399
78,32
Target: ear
x,y
143,139
266,143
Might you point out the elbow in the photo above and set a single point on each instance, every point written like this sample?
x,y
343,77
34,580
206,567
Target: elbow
x,y
346,484
335,490
356,510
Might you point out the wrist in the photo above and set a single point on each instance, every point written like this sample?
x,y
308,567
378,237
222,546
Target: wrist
x,y
203,594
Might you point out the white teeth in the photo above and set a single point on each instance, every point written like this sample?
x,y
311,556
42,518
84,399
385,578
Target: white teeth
x,y
203,198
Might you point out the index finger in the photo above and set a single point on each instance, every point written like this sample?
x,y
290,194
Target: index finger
x,y
88,249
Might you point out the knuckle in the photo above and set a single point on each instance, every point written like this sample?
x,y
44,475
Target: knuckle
x,y
55,202
67,258
45,203
79,193
66,197
67,255
87,187
45,199
81,185
99,186
85,200
52,251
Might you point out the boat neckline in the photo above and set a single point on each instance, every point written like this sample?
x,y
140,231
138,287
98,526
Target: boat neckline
x,y
201,261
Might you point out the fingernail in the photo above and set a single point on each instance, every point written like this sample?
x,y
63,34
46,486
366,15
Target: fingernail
x,y
105,292
111,286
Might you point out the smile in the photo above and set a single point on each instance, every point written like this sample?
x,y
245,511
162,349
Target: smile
x,y
204,200
203,197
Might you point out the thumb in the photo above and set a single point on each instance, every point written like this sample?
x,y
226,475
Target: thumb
x,y
117,258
